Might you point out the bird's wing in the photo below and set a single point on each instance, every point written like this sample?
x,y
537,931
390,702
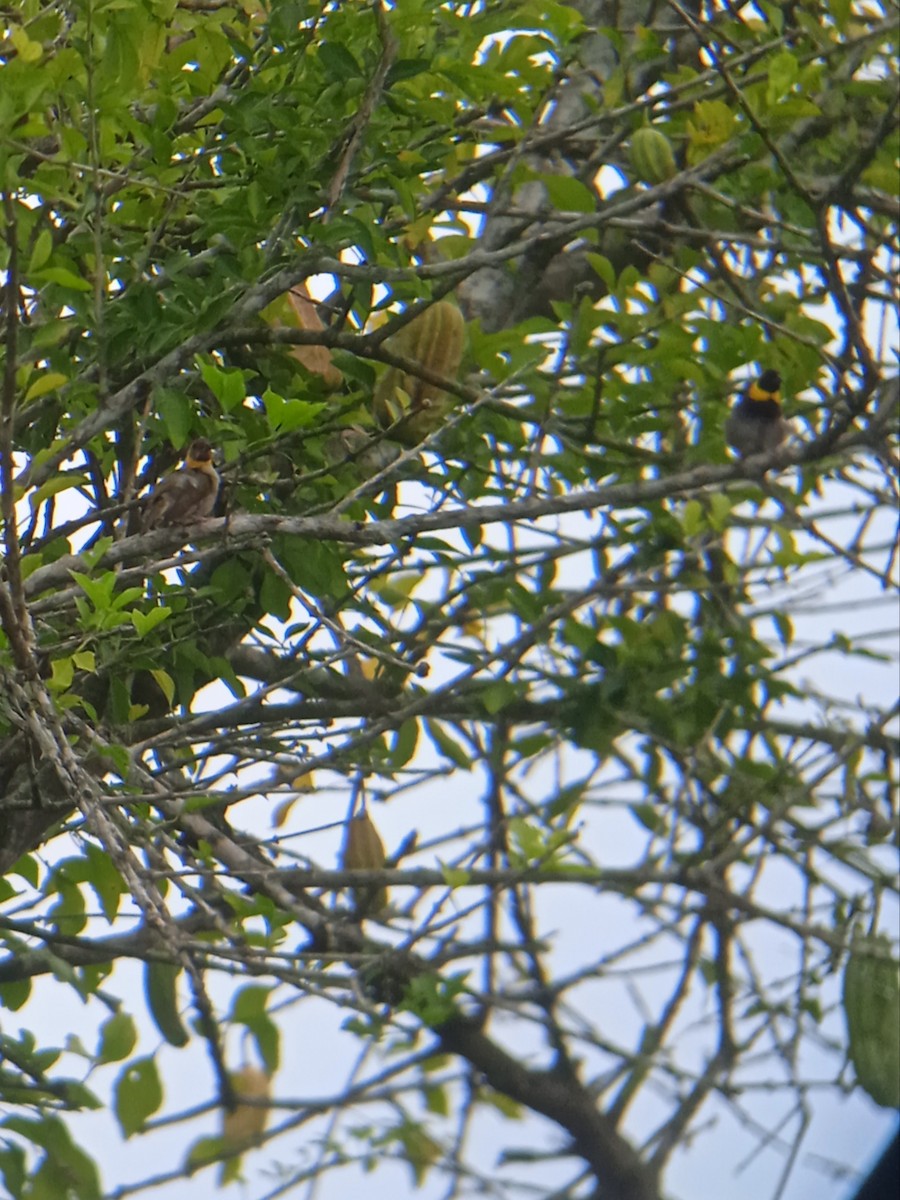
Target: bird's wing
x,y
159,503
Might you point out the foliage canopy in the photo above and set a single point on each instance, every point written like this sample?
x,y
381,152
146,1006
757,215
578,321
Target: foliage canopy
x,y
612,699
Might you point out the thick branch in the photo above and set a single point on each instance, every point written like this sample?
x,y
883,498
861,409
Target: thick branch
x,y
619,1171
248,531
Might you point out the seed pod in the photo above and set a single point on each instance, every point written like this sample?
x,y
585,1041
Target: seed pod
x,y
872,1012
244,1123
410,406
160,991
651,155
364,851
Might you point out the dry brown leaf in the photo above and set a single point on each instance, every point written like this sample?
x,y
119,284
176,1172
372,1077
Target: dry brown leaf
x,y
296,310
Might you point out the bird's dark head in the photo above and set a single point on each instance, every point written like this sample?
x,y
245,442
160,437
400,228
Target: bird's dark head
x,y
767,387
199,453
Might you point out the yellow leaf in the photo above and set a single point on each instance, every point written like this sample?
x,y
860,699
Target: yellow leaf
x,y
283,811
27,50
368,667
62,672
166,684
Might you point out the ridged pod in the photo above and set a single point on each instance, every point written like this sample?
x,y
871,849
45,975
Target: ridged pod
x,y
408,405
651,155
872,1012
245,1122
363,850
160,990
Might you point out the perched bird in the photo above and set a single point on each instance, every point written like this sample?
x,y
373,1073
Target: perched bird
x,y
187,495
756,423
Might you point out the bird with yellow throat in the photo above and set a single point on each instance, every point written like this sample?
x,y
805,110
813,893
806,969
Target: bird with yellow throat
x,y
187,495
756,424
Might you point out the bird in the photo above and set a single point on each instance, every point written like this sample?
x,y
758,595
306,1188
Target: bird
x,y
756,424
187,495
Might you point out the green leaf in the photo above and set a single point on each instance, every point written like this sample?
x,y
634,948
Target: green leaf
x,y
65,1166
568,193
118,1037
105,881
693,518
227,385
145,623
436,1100
43,247
530,842
405,741
53,487
98,591
177,414
137,1095
720,508
267,1037
249,1009
339,62
784,627
455,877
510,1108
420,1150
50,381
62,276
649,816
28,51
62,673
249,1003
496,696
27,866
14,1169
275,596
782,74
204,1152
447,746
604,269
15,994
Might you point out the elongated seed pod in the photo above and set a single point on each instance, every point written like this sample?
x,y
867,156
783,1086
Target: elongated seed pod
x,y
871,999
363,850
242,1125
651,155
245,1122
160,990
410,406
